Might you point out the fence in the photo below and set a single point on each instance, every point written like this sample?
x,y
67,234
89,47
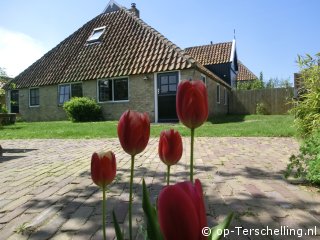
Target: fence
x,y
275,100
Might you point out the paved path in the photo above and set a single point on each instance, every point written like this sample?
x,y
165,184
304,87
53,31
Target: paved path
x,y
46,191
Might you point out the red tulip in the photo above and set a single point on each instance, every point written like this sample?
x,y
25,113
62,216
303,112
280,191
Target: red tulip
x,y
192,103
134,131
170,147
181,211
103,168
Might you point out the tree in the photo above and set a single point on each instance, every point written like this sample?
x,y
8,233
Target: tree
x,y
307,107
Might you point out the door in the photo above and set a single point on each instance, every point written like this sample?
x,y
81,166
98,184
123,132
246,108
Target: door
x,y
167,89
14,101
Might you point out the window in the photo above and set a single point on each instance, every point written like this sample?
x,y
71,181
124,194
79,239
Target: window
x,y
96,34
204,79
218,93
113,90
225,96
34,97
67,91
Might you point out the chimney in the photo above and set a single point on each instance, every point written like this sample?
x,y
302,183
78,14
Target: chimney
x,y
134,10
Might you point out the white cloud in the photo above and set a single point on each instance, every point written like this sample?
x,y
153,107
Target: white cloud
x,y
18,51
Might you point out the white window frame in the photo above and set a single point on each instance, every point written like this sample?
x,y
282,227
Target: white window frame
x,y
218,93
112,101
30,97
91,39
64,84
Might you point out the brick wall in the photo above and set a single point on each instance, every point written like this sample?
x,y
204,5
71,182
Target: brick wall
x,y
141,98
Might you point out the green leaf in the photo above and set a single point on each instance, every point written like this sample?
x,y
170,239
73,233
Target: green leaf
x,y
219,228
153,227
117,227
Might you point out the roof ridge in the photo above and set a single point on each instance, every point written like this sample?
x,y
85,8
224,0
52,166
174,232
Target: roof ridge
x,y
208,45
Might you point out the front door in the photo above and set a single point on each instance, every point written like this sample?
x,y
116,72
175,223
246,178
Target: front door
x,y
167,84
14,101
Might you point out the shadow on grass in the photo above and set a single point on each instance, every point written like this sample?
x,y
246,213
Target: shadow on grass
x,y
227,119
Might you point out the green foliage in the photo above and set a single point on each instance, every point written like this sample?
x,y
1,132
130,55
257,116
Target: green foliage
x,y
249,85
307,108
277,83
307,163
261,109
3,109
82,109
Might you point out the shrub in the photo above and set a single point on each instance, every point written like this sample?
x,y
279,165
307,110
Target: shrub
x,y
82,109
3,109
307,107
307,163
261,109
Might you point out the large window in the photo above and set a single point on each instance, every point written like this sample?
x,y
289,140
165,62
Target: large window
x,y
113,90
68,91
218,93
34,97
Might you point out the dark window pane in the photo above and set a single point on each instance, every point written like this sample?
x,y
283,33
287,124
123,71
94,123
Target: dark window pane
x,y
120,89
76,90
64,93
218,93
164,88
164,80
173,88
34,97
172,79
105,90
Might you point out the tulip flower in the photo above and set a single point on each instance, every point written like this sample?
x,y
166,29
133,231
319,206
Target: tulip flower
x,y
192,108
170,149
103,171
192,103
133,133
181,211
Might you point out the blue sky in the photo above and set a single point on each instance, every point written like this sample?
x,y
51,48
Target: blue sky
x,y
269,34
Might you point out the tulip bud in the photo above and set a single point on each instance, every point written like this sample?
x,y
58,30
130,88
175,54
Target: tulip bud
x,y
170,147
192,103
103,168
134,131
181,211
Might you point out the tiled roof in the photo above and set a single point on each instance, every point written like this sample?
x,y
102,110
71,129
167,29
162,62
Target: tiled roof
x,y
211,54
244,74
128,46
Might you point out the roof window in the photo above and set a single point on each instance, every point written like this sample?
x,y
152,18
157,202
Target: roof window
x,y
96,34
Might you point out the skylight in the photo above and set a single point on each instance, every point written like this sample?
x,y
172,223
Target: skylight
x,y
96,34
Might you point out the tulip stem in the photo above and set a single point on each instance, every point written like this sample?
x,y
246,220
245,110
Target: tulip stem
x,y
130,198
168,175
104,212
191,155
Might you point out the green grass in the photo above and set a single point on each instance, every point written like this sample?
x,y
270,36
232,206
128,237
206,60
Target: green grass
x,y
233,125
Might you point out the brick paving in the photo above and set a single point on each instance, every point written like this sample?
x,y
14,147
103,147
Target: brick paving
x,y
46,191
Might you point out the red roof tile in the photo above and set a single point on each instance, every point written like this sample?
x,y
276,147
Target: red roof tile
x,y
244,74
211,54
128,46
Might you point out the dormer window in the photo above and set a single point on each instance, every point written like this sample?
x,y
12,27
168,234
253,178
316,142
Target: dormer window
x,y
96,34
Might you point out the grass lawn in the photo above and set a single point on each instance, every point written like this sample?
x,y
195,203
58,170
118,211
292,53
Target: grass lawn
x,y
232,125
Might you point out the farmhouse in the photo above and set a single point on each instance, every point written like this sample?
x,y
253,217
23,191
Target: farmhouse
x,y
121,62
